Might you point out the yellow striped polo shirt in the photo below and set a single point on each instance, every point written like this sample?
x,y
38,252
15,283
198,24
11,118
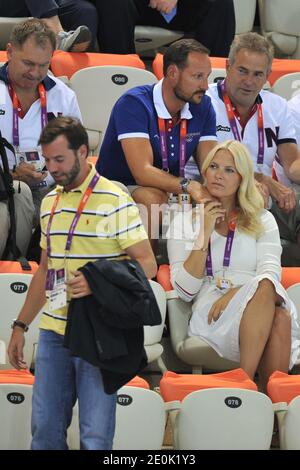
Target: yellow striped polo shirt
x,y
109,224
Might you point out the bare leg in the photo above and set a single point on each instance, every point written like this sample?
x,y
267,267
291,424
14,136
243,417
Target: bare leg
x,y
256,325
276,355
151,202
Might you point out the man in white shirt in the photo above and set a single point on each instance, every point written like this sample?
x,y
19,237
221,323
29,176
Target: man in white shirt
x,y
262,121
29,98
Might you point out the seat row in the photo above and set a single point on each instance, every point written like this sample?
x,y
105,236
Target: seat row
x,y
210,412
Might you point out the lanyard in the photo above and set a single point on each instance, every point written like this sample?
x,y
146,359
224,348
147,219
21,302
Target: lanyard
x,y
234,128
81,206
227,251
16,106
163,145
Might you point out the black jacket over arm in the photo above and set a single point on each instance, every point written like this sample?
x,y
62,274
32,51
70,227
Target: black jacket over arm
x,y
106,328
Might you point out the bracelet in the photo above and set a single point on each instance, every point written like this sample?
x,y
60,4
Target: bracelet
x,y
200,249
20,324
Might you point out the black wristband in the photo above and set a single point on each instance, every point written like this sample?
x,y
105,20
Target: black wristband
x,y
20,324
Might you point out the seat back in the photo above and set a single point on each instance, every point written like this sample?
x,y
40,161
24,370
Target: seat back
x,y
281,25
105,85
287,85
244,15
190,349
15,409
153,334
284,391
151,37
68,63
14,284
224,419
6,26
140,419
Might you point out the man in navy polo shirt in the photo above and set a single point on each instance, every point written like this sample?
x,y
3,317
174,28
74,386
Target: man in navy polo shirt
x,y
154,130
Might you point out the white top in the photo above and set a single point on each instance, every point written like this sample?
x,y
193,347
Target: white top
x,y
278,129
294,107
251,260
61,100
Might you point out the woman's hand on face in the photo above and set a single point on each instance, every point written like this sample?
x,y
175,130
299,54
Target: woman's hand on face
x,y
213,212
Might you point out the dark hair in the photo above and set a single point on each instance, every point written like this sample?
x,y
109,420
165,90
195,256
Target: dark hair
x,y
36,28
67,126
177,53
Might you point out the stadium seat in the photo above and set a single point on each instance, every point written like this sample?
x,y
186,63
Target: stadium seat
x,y
191,349
244,15
280,24
153,334
106,85
150,38
140,419
65,64
14,283
6,25
217,411
15,409
287,85
284,391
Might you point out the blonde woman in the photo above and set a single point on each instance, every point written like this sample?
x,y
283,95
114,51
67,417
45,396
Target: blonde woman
x,y
226,258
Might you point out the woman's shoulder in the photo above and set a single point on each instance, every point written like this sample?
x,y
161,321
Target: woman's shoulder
x,y
268,221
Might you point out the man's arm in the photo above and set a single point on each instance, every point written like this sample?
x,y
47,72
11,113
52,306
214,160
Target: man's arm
x,y
142,252
289,155
203,148
35,300
139,156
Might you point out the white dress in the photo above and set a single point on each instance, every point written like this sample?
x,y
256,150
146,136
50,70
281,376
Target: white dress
x,y
251,261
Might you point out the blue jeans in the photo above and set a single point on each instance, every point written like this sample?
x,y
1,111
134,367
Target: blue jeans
x,y
59,380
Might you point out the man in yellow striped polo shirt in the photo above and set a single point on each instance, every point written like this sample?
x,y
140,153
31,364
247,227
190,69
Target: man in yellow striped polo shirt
x,y
85,218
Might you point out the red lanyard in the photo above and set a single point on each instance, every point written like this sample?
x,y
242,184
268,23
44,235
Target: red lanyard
x,y
234,128
16,106
163,145
81,206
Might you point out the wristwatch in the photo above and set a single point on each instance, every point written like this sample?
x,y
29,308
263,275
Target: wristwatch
x,y
184,184
20,324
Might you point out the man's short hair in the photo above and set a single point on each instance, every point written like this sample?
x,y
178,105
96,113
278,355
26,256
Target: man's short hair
x,y
177,53
252,42
35,28
71,128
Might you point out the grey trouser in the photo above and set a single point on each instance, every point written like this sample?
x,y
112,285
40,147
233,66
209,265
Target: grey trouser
x,y
24,209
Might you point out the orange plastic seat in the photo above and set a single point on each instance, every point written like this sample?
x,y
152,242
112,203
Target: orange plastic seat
x,y
138,382
279,66
16,268
92,159
177,386
67,63
14,376
290,276
3,56
283,387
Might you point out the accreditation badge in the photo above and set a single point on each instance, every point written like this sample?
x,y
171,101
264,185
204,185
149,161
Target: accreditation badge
x,y
223,284
58,293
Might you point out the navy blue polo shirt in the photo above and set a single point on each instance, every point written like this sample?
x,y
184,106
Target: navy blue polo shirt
x,y
135,115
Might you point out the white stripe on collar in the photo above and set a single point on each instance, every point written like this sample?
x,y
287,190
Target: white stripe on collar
x,y
160,106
